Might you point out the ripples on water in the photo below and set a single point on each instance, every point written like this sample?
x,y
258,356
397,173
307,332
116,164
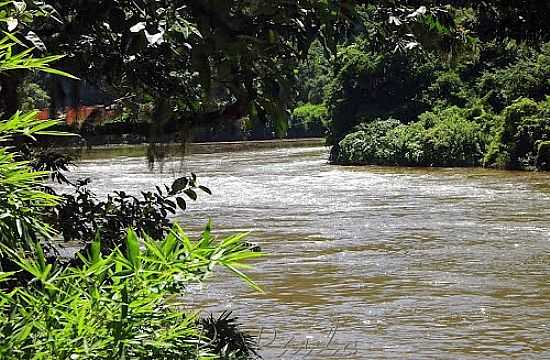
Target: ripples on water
x,y
394,262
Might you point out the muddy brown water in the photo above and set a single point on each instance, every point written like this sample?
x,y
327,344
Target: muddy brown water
x,y
369,262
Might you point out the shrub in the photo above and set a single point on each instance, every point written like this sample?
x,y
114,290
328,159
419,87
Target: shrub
x,y
32,96
453,141
82,215
442,138
408,142
23,201
447,89
524,125
368,145
311,119
543,156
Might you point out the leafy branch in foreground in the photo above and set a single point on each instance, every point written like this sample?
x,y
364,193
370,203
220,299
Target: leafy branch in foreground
x,y
23,201
119,305
80,216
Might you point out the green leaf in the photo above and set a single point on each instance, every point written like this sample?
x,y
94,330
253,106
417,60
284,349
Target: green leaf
x,y
132,248
95,249
244,277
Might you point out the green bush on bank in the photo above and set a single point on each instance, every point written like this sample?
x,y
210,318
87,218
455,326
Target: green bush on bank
x,y
309,120
516,138
440,138
520,134
369,144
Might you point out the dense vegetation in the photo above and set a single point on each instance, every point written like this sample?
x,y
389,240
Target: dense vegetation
x,y
118,296
461,96
196,63
393,83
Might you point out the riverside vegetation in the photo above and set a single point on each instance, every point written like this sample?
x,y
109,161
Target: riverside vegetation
x,y
121,295
478,100
377,84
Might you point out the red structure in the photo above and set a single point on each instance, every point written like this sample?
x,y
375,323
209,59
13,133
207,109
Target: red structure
x,y
78,116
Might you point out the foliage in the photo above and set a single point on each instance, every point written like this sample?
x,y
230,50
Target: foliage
x,y
311,118
18,53
313,76
32,96
204,62
368,145
222,59
527,77
543,156
22,201
443,138
121,305
375,85
452,140
447,89
525,125
80,217
227,338
522,20
459,104
118,305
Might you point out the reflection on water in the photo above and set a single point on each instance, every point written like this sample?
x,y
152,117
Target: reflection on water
x,y
372,262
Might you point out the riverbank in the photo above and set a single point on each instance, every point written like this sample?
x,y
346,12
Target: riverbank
x,y
135,150
515,139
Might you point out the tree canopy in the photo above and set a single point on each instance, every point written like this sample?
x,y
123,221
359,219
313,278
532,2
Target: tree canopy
x,y
204,59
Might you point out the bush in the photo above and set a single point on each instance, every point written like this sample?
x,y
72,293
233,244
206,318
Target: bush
x,y
524,125
543,156
32,96
447,89
81,216
408,143
309,120
452,140
23,201
442,138
368,145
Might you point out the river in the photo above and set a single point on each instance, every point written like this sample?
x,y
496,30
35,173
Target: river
x,y
370,262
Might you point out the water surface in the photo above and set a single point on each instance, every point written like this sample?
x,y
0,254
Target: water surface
x,y
371,262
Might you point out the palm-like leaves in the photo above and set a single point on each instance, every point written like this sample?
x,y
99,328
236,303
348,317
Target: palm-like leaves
x,y
114,304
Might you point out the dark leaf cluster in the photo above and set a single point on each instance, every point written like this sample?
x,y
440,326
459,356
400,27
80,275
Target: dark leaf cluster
x,y
82,215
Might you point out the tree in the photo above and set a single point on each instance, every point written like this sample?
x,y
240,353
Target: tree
x,y
201,60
